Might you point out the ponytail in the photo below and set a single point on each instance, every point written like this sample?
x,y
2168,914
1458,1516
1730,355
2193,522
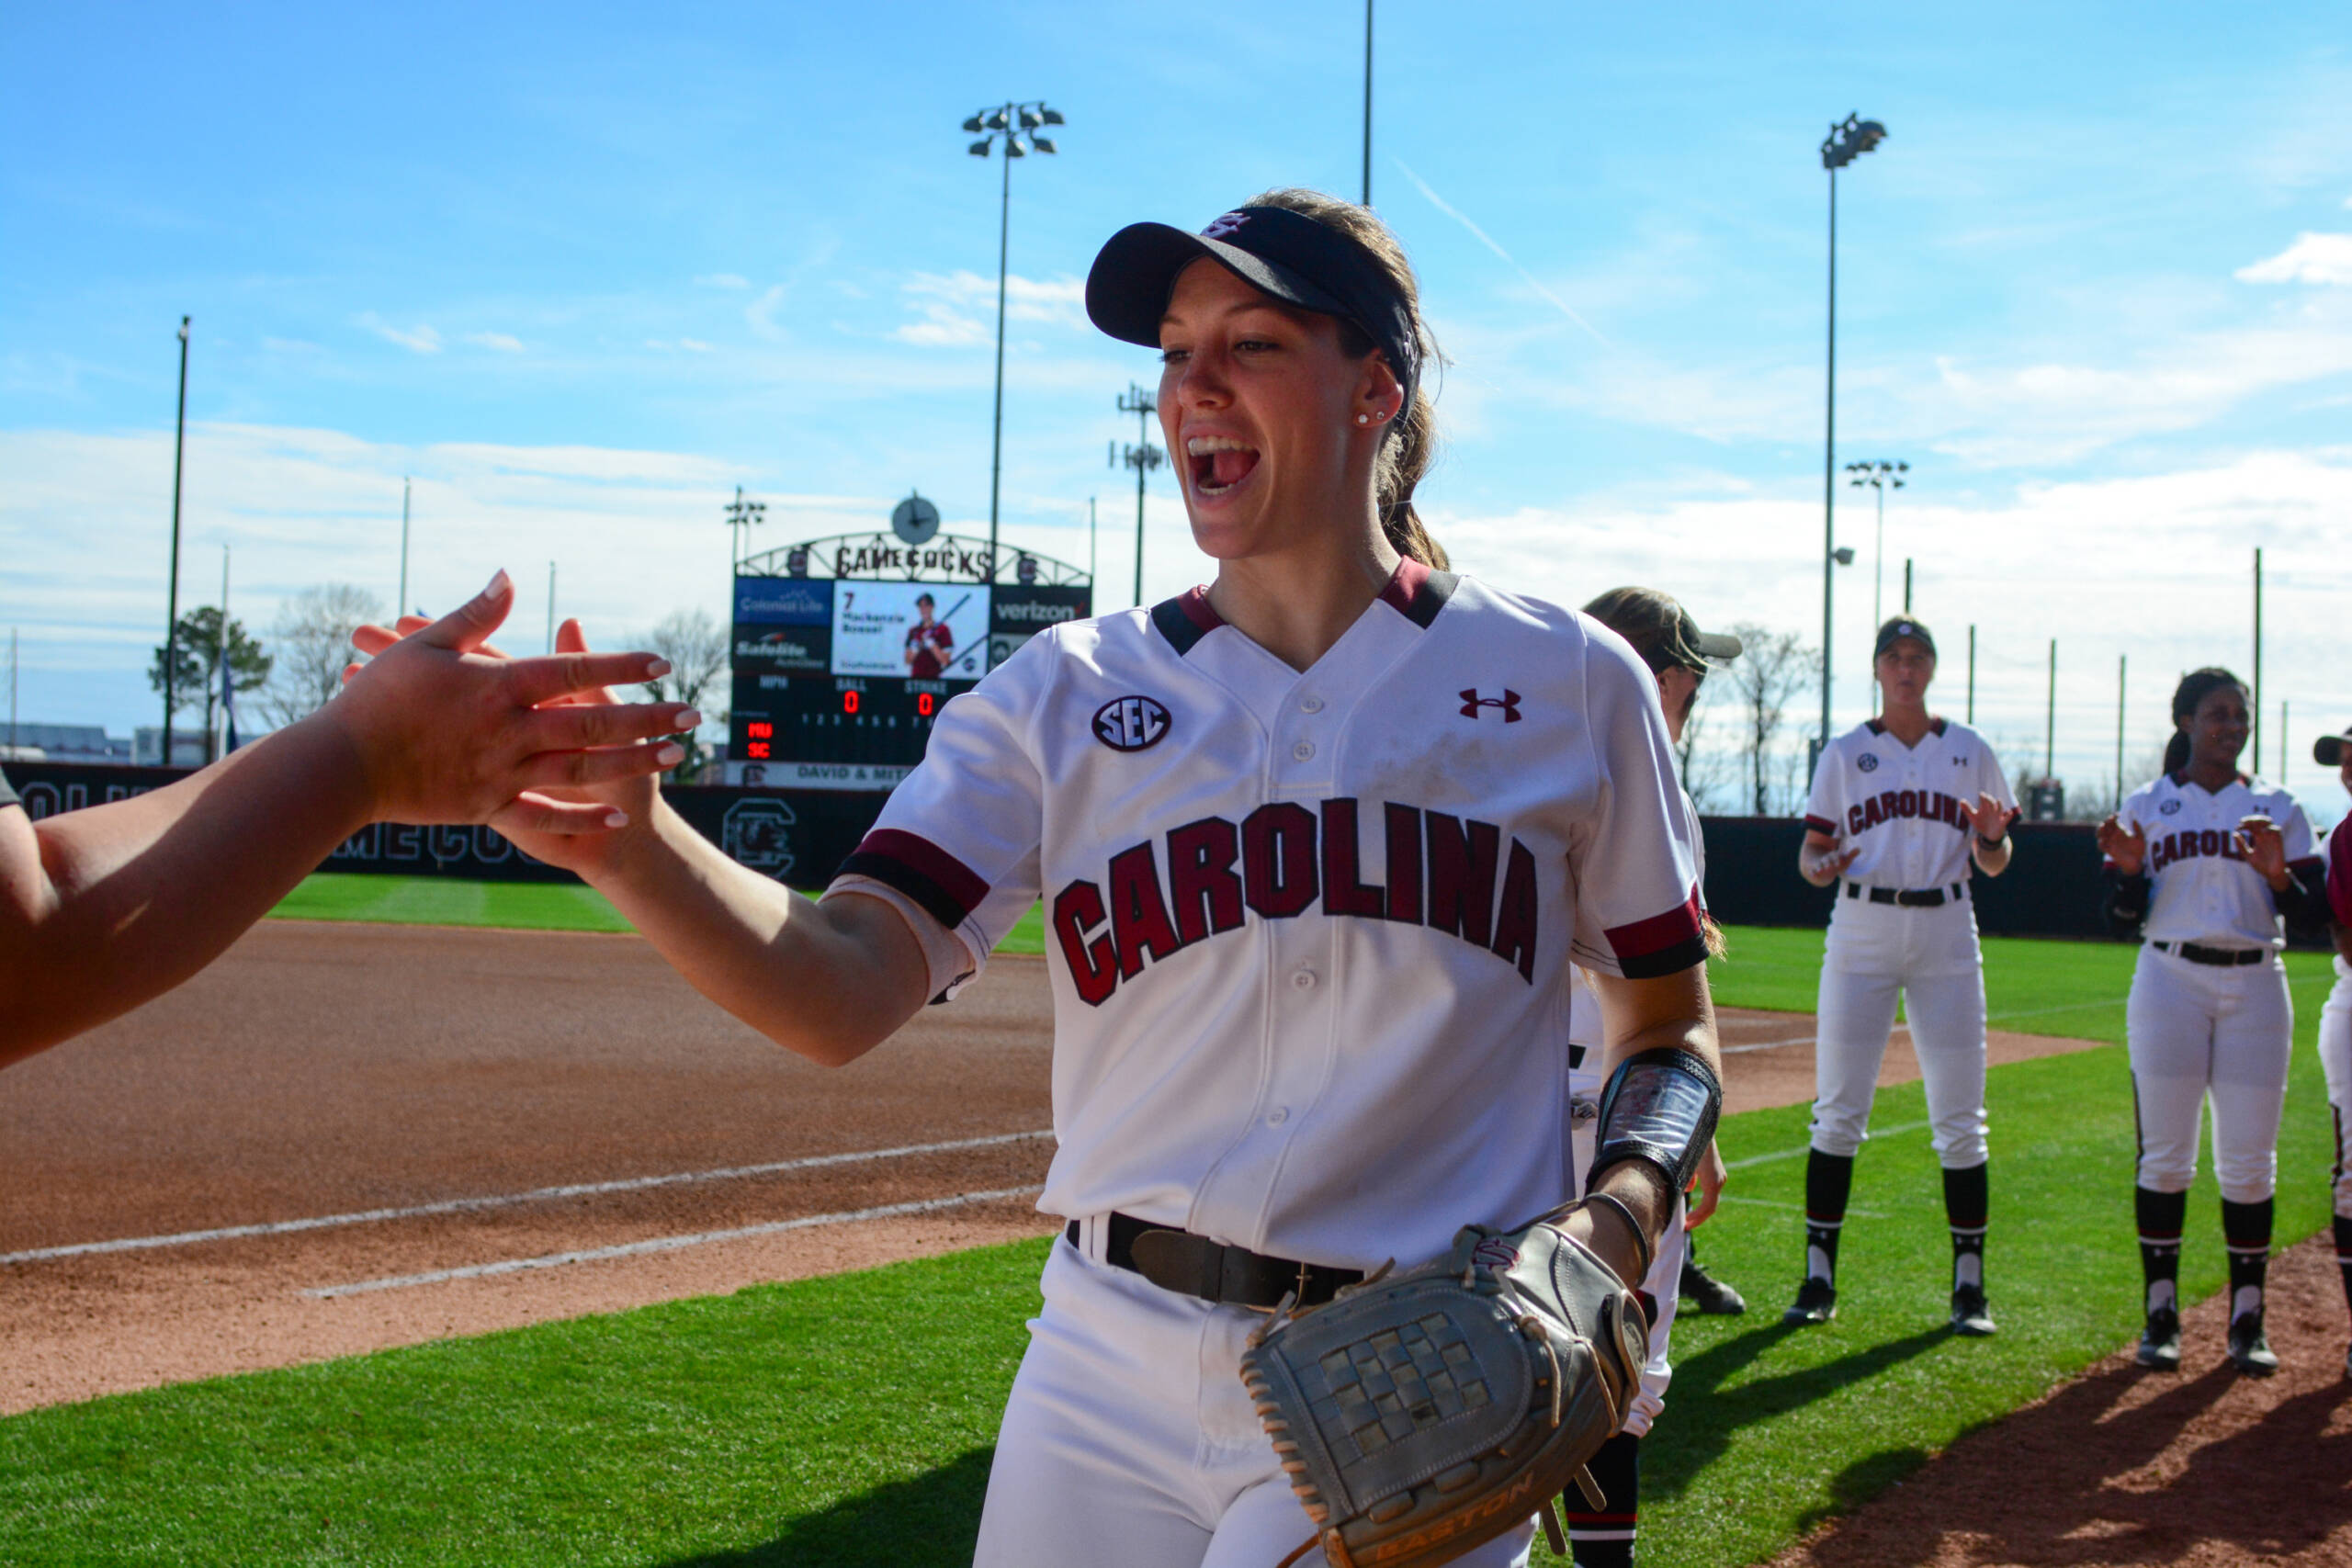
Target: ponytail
x,y
2177,751
1409,445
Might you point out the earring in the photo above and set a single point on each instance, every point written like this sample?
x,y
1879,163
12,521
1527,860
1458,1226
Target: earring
x,y
1363,419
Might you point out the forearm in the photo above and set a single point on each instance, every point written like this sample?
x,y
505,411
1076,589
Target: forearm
x,y
1673,1012
103,908
827,982
1816,858
1993,859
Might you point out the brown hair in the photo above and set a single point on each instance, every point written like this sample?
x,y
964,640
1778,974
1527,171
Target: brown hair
x,y
2194,688
1411,444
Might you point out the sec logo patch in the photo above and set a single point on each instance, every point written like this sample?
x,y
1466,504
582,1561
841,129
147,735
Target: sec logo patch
x,y
1867,761
2170,808
1131,724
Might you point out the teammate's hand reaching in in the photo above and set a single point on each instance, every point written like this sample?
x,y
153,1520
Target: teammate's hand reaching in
x,y
2265,848
2128,851
612,785
1713,1174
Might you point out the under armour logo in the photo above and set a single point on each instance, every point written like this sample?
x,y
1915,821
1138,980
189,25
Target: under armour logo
x,y
1509,702
1225,225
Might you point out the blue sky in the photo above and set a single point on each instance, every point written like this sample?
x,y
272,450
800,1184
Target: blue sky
x,y
580,271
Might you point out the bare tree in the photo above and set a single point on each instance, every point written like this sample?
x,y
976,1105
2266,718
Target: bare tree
x,y
1705,769
1771,669
697,646
310,643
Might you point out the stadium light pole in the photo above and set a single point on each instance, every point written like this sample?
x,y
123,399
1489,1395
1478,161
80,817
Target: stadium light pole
x,y
2123,667
172,594
1142,458
1017,124
2258,658
1881,476
399,604
741,517
1847,141
1367,103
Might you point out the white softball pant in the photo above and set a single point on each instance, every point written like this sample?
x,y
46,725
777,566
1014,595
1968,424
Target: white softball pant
x,y
2336,1056
2202,1031
1878,954
1129,1439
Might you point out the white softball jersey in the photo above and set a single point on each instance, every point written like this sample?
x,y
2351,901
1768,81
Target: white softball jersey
x,y
2202,889
1309,932
1905,807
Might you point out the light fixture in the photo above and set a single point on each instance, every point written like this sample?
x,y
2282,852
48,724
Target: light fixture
x,y
1042,144
1029,120
973,125
1014,147
978,149
996,120
1843,555
1053,117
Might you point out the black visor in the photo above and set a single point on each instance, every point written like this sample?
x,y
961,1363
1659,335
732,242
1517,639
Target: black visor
x,y
1279,253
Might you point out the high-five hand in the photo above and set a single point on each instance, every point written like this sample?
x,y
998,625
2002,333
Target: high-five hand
x,y
2128,851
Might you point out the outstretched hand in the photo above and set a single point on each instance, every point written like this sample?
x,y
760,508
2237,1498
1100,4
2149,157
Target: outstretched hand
x,y
1990,819
2263,847
447,730
1713,1174
2128,851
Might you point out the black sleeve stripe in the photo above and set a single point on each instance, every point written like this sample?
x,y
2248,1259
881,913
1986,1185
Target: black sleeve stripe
x,y
928,895
1665,961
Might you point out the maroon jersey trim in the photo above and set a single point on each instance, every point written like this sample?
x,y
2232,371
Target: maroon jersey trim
x,y
1663,944
946,888
1823,826
1186,618
2339,873
1418,593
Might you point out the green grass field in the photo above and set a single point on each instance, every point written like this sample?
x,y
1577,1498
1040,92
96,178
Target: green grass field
x,y
848,1420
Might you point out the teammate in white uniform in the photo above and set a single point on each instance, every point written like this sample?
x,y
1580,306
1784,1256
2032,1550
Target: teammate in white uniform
x,y
2202,863
2335,1018
1901,804
1680,657
1316,846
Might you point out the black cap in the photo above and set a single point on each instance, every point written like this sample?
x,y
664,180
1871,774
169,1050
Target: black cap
x,y
1900,627
2328,750
1284,253
1661,630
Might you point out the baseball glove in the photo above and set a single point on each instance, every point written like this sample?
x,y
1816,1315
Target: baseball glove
x,y
1421,1414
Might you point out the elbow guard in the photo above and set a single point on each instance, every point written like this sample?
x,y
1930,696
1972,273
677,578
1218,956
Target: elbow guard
x,y
2127,901
1660,1107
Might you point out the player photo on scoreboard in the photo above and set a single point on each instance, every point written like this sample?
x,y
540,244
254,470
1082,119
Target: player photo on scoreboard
x,y
925,631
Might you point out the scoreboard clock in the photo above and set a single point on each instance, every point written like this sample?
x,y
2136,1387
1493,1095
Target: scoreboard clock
x,y
845,649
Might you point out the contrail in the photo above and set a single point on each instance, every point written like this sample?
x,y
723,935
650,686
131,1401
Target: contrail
x,y
1488,241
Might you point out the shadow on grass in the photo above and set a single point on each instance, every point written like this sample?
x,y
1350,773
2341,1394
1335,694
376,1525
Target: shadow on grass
x,y
1714,1411
930,1518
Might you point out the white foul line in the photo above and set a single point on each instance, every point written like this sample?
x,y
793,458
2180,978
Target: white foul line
x,y
668,1243
1793,1208
1804,1149
536,1195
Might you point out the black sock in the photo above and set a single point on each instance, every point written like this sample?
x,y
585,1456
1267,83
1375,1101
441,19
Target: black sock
x,y
2344,1252
1828,1182
1967,1197
2161,1216
2245,1230
1603,1538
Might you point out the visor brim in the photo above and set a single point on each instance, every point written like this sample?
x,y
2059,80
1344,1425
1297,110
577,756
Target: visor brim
x,y
1128,288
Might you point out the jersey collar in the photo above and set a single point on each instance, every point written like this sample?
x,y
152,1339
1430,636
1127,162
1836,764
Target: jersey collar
x,y
1414,591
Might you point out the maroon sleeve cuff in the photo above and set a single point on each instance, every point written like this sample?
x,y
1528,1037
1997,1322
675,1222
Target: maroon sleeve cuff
x,y
1822,825
1662,944
946,888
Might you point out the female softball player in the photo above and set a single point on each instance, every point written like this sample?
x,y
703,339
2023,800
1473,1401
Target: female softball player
x,y
1316,845
2202,862
2335,1018
1680,657
1901,804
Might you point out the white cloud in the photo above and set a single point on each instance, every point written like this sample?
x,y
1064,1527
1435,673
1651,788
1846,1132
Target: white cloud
x,y
723,280
959,309
502,342
760,315
693,346
677,345
2312,258
416,340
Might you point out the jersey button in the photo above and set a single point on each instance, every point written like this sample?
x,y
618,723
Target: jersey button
x,y
1303,750
1310,704
1303,979
1278,1115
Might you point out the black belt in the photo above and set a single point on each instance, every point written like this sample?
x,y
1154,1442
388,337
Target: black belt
x,y
1911,898
2220,957
1196,1266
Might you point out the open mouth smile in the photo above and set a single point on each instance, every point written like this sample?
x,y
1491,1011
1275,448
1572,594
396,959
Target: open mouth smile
x,y
1219,463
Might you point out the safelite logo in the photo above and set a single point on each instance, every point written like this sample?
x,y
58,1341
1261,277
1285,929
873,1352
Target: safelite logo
x,y
1131,724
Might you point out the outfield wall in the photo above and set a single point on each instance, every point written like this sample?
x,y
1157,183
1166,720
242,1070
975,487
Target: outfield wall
x,y
2051,888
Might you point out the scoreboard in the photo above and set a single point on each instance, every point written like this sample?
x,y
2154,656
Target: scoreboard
x,y
845,649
